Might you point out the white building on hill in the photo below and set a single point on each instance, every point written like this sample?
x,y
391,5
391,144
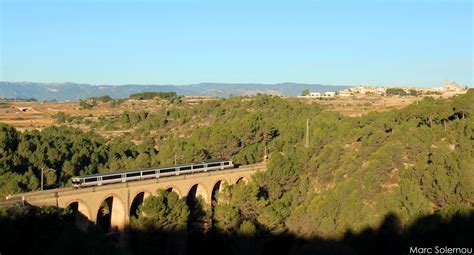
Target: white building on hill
x,y
452,88
320,95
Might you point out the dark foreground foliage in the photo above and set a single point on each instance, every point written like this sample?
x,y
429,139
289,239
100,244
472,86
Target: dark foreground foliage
x,y
48,230
416,164
32,230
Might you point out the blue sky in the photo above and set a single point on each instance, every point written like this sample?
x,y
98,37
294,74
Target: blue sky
x,y
181,42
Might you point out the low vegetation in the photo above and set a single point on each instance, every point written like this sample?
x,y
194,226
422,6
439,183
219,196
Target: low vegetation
x,y
170,96
401,92
411,163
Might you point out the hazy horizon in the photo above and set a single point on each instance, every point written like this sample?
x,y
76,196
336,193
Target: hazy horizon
x,y
243,83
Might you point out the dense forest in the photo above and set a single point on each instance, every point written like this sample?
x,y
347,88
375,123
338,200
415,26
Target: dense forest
x,y
355,173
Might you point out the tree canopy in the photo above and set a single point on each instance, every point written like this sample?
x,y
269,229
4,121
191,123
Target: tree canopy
x,y
410,162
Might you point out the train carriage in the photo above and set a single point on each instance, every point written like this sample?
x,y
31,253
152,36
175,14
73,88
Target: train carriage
x,y
149,173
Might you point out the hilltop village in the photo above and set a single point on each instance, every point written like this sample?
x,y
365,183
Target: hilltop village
x,y
448,89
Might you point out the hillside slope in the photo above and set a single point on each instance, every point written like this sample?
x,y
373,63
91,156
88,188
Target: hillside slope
x,y
355,171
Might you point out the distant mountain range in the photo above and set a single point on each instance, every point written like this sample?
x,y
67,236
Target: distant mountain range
x,y
74,91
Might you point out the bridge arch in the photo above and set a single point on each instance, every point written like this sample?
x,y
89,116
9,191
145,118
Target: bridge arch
x,y
82,213
111,214
171,188
216,190
195,191
242,179
137,200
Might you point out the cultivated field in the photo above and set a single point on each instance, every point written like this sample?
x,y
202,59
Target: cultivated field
x,y
30,115
40,114
359,105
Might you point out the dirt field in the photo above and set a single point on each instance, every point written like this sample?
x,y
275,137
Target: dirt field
x,y
29,115
40,114
36,115
359,105
356,106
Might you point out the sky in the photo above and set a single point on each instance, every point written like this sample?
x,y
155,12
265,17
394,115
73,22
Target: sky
x,y
404,42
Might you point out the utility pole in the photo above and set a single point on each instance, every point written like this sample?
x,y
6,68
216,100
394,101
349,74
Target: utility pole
x,y
265,157
42,178
42,174
307,133
176,157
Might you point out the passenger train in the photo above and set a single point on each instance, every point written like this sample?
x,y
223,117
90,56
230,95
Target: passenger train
x,y
149,173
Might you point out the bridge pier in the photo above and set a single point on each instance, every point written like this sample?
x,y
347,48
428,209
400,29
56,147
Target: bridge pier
x,y
118,200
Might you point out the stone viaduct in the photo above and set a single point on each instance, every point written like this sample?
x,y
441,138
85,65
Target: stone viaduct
x,y
121,199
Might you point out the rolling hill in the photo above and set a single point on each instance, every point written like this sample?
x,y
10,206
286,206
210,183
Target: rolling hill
x,y
75,91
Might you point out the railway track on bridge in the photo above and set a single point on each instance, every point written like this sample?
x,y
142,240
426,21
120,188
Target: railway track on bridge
x,y
22,198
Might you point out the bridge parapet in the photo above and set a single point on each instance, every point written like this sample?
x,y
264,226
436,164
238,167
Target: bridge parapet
x,y
55,193
120,198
90,201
